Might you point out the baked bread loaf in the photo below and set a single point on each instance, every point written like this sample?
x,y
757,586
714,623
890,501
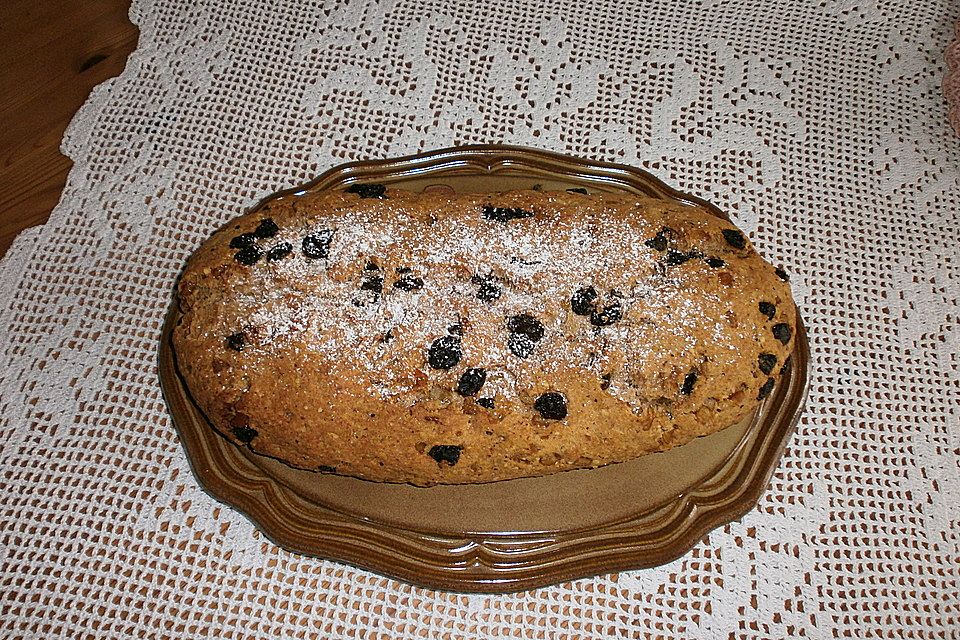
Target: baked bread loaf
x,y
443,338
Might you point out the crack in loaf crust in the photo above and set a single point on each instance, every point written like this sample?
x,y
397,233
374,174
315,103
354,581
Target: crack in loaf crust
x,y
430,338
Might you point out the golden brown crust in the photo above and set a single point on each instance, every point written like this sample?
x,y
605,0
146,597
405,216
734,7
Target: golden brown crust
x,y
325,362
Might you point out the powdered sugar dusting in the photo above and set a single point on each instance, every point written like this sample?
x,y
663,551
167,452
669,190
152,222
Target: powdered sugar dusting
x,y
348,311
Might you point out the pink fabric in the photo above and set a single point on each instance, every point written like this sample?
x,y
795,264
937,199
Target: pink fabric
x,y
951,81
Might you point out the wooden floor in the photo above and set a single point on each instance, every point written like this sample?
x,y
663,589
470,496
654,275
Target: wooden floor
x,y
52,53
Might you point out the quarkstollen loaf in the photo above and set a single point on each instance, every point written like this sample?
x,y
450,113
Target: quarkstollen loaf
x,y
442,338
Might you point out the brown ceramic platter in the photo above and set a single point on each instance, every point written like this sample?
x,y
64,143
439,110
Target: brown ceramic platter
x,y
516,534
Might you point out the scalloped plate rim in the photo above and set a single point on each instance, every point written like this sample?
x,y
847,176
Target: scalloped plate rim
x,y
696,510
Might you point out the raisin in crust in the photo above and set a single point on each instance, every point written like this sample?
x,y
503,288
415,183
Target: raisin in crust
x,y
346,331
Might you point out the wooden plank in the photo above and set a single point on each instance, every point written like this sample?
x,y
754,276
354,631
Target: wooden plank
x,y
51,55
83,42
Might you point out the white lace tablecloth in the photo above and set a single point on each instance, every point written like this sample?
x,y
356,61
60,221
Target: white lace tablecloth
x,y
820,126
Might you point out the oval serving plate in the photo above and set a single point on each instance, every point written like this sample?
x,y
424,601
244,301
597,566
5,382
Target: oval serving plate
x,y
516,534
